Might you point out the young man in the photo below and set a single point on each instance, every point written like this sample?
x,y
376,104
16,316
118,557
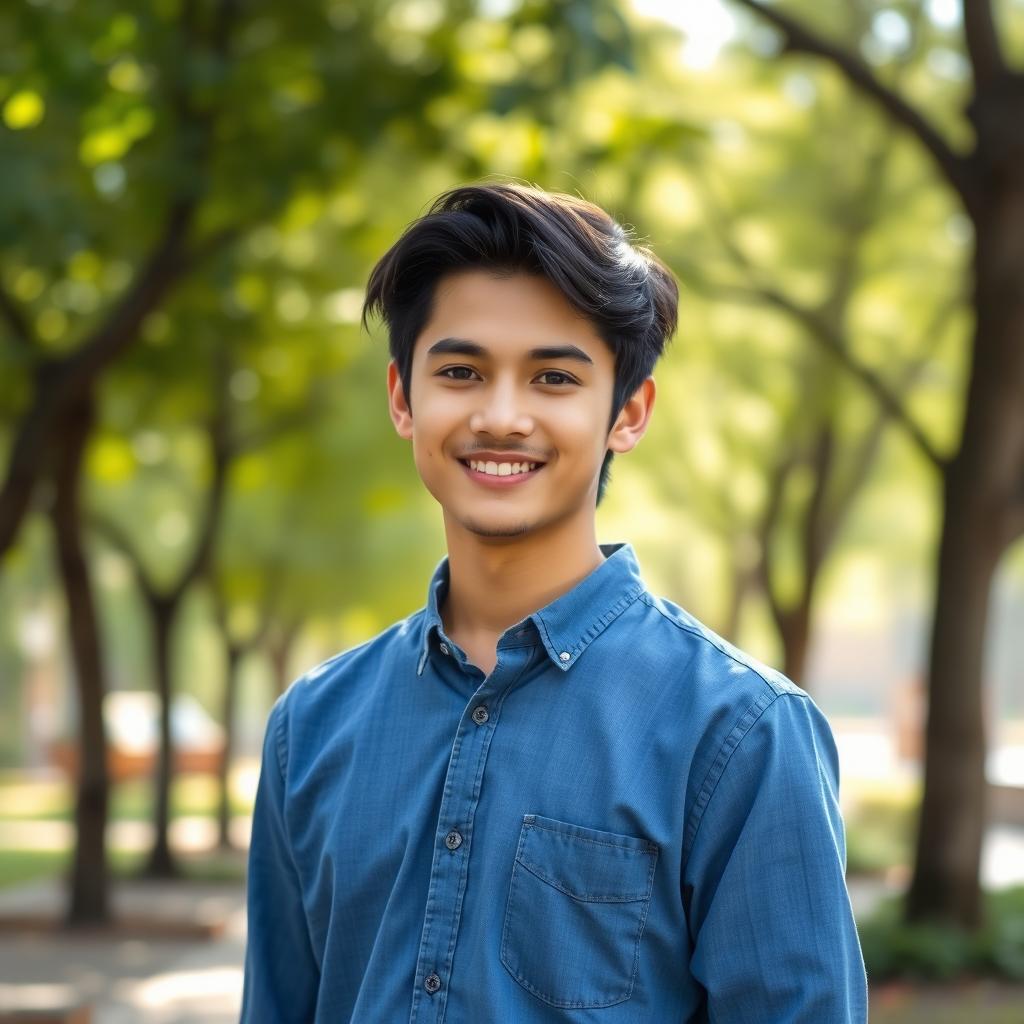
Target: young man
x,y
549,795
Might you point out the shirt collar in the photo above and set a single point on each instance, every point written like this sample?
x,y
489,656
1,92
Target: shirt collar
x,y
569,624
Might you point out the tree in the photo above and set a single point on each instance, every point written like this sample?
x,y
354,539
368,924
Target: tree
x,y
58,380
983,479
814,464
88,903
163,600
143,145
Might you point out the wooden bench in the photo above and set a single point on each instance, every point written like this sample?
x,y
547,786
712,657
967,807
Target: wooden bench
x,y
81,1014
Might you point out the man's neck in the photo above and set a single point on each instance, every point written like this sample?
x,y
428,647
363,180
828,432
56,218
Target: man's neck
x,y
494,583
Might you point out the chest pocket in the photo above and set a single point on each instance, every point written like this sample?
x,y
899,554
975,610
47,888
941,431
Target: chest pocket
x,y
577,904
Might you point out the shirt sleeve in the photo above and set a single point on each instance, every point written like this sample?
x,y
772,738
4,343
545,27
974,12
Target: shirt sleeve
x,y
773,932
282,977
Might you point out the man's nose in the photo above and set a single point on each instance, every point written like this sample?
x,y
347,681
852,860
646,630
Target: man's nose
x,y
503,410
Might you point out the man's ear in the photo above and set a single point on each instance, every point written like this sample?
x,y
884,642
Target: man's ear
x,y
631,423
398,405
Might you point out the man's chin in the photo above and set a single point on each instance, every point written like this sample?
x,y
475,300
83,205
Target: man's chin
x,y
497,529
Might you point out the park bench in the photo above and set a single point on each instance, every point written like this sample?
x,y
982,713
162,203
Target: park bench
x,y
78,1014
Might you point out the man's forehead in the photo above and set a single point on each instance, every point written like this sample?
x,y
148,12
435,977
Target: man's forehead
x,y
483,315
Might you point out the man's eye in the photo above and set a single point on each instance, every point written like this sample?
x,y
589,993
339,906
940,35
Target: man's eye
x,y
457,372
559,377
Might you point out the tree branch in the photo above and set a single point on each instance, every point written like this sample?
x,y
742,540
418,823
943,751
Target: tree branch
x,y
21,329
163,268
117,538
220,449
987,61
204,248
766,528
822,321
864,456
800,39
825,334
816,538
71,376
285,423
830,504
273,581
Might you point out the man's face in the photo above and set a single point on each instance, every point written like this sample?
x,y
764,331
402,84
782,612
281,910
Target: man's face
x,y
511,397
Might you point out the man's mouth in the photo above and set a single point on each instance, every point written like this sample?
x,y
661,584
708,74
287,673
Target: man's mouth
x,y
501,468
506,472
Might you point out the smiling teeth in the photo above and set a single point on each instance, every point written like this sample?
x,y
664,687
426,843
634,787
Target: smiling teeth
x,y
502,468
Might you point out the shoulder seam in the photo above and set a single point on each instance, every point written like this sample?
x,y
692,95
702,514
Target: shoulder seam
x,y
280,747
280,742
647,598
730,745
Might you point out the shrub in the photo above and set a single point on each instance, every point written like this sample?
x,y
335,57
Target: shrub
x,y
932,952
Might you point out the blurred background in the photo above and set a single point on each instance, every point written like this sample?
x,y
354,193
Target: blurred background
x,y
202,494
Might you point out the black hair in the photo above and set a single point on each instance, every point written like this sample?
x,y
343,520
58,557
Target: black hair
x,y
622,289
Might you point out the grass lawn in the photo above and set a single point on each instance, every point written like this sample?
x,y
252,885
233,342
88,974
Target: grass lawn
x,y
27,798
18,867
24,798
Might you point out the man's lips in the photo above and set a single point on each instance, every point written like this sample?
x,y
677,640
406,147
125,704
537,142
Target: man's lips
x,y
493,455
494,480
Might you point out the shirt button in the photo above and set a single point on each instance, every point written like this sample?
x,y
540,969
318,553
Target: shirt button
x,y
444,649
480,714
453,840
432,983
564,656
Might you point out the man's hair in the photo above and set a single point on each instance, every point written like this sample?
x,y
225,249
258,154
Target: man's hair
x,y
621,288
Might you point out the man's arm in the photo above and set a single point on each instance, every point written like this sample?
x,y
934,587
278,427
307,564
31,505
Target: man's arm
x,y
281,973
774,937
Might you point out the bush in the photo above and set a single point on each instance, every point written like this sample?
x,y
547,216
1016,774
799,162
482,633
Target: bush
x,y
893,949
879,833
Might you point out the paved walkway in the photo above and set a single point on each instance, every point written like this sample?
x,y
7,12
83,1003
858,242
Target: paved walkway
x,y
130,980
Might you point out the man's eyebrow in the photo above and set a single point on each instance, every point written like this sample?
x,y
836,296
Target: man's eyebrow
x,y
456,346
464,347
561,352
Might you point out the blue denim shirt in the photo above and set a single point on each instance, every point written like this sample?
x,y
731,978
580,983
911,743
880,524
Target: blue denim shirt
x,y
627,820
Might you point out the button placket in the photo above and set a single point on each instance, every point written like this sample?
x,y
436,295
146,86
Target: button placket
x,y
450,866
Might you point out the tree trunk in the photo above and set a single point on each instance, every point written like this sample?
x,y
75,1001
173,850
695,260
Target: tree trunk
x,y
740,587
279,649
980,484
952,823
89,896
795,631
161,862
234,658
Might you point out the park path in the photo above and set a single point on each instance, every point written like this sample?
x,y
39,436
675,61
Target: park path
x,y
129,979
